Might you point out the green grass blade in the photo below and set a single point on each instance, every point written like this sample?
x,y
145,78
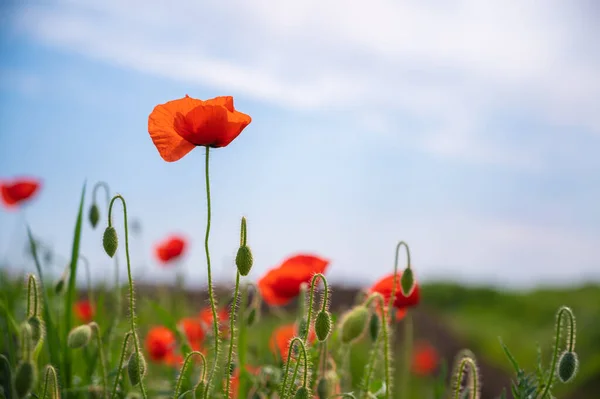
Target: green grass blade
x,y
512,359
70,295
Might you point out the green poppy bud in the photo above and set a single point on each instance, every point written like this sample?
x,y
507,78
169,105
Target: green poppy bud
x,y
323,325
407,281
25,378
251,316
374,325
301,393
110,241
354,324
244,260
37,329
6,376
79,336
94,215
568,365
323,389
136,366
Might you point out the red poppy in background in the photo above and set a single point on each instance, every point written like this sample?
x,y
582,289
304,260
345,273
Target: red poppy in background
x,y
280,339
282,284
160,343
178,126
384,287
170,249
235,379
193,331
425,358
18,191
84,310
206,318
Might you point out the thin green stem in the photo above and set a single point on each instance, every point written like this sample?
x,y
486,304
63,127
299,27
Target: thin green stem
x,y
473,379
564,310
184,367
211,293
103,368
131,294
287,366
386,346
232,331
120,368
32,296
104,185
313,282
50,377
88,276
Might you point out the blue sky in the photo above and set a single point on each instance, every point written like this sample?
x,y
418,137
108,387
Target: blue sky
x,y
469,130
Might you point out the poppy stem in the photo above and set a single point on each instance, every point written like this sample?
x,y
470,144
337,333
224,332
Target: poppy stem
x,y
232,330
473,384
120,368
88,276
408,263
32,296
386,348
283,390
324,304
50,377
211,294
96,330
131,294
408,343
563,311
184,367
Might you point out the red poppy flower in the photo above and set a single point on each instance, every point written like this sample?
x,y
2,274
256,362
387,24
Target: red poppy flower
x,y
235,379
282,284
18,191
206,319
193,331
384,287
170,249
425,358
178,126
84,311
160,343
281,337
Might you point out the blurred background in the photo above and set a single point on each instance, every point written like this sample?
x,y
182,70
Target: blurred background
x,y
469,130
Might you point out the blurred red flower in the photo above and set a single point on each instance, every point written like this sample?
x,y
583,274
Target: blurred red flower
x,y
425,358
178,126
235,379
193,331
18,191
206,319
384,287
84,311
170,249
282,284
160,343
281,337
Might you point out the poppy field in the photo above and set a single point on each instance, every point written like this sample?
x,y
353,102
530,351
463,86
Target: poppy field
x,y
288,334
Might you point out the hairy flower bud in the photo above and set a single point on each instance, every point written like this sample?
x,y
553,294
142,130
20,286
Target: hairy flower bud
x,y
374,325
244,260
323,389
136,366
25,378
301,393
354,324
79,336
323,325
110,241
94,215
407,281
37,329
568,365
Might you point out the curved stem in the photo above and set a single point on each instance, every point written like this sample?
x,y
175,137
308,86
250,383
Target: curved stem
x,y
211,294
393,294
104,185
287,366
473,379
50,374
184,367
131,295
32,296
88,276
386,346
570,343
232,330
96,331
120,368
313,281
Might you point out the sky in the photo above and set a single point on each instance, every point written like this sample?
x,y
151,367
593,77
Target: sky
x,y
470,130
